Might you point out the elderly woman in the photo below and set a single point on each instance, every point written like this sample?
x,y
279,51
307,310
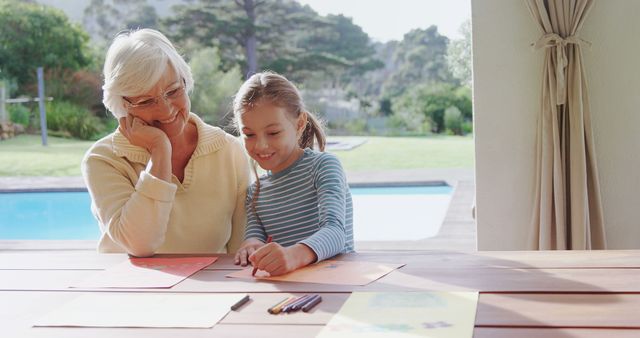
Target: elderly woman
x,y
164,181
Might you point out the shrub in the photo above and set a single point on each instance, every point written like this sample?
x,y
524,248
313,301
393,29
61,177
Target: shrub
x,y
356,126
19,114
82,87
453,120
385,107
426,127
110,124
467,127
431,100
68,119
405,120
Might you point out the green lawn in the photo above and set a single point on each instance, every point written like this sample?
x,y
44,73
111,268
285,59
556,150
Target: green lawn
x,y
25,156
390,153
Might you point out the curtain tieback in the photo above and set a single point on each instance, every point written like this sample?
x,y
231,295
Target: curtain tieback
x,y
550,40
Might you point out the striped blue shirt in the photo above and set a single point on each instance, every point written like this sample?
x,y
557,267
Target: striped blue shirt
x,y
309,203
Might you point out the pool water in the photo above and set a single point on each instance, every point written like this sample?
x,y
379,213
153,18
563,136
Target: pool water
x,y
47,215
401,190
380,213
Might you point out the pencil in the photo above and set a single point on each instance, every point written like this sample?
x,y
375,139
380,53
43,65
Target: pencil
x,y
241,302
278,307
255,269
310,304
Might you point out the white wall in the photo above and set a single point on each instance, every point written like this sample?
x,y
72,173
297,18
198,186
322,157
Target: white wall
x,y
507,76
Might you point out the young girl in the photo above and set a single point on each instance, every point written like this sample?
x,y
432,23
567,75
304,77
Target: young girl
x,y
303,202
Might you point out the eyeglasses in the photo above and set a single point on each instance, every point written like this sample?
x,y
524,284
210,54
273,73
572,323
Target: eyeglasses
x,y
168,96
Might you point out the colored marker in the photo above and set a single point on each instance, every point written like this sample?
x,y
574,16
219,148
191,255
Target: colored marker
x,y
302,304
241,302
279,305
311,303
295,306
255,269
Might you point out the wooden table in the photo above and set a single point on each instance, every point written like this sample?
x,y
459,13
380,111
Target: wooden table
x,y
522,294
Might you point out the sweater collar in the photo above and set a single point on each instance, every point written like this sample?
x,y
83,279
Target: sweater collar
x,y
210,139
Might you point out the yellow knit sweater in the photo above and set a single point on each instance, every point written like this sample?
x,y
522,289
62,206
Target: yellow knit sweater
x,y
142,215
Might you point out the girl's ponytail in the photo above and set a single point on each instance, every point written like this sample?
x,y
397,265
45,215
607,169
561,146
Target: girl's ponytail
x,y
312,132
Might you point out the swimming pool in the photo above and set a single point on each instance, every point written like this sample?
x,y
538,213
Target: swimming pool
x,y
47,215
388,212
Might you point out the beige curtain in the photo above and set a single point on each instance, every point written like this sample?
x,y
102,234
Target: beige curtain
x,y
567,207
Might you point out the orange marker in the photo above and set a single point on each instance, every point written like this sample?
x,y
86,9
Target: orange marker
x,y
255,269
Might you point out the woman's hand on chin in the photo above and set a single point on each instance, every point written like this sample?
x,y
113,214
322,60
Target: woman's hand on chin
x,y
140,134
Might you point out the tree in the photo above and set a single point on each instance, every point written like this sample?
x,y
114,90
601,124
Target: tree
x,y
370,83
453,120
459,55
214,89
343,39
145,16
227,25
431,101
36,35
250,40
418,59
279,35
248,33
105,18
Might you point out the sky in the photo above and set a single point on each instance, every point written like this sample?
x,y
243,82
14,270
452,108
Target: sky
x,y
386,20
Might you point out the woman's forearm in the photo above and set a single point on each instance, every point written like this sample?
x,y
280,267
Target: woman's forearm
x,y
141,224
160,163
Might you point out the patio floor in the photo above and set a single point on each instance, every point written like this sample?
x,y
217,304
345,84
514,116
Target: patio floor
x,y
458,230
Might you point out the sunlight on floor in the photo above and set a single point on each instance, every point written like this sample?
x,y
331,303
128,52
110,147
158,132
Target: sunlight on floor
x,y
400,217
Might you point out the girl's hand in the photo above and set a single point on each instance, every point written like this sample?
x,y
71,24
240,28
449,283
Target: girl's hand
x,y
247,248
141,134
278,260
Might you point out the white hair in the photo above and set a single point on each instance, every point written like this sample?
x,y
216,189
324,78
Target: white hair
x,y
134,64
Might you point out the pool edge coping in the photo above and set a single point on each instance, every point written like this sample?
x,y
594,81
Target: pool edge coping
x,y
388,184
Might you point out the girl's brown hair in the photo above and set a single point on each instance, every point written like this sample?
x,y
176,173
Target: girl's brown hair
x,y
279,91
